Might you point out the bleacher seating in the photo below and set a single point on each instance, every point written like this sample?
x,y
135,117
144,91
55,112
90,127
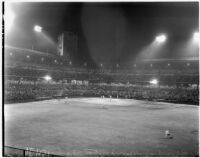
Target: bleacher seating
x,y
24,80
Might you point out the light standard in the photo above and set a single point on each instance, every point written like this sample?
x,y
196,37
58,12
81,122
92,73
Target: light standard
x,y
196,36
155,83
155,47
37,29
9,17
161,38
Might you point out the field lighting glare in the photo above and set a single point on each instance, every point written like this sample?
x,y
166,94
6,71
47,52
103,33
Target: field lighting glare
x,y
38,28
47,78
161,38
8,17
154,81
196,36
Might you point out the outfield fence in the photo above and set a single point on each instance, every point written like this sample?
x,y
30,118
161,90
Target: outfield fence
x,y
28,152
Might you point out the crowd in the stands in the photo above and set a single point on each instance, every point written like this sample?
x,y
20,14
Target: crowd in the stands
x,y
21,91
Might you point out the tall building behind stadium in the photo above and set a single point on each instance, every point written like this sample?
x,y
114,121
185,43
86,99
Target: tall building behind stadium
x,y
67,44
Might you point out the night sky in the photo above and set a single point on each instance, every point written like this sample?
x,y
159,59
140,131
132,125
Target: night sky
x,y
108,32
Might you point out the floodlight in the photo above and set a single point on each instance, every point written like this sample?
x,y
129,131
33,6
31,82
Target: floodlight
x,y
8,17
154,81
47,78
38,28
196,36
161,38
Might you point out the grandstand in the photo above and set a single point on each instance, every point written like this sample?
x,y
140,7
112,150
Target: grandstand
x,y
128,90
25,70
100,79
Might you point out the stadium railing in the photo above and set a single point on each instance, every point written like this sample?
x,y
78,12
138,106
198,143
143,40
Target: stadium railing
x,y
17,152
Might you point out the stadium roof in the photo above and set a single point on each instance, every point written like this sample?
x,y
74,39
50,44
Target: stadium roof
x,y
29,50
173,60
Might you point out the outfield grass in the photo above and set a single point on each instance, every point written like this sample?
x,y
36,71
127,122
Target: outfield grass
x,y
100,127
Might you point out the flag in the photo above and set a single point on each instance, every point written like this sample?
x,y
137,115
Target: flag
x,y
60,45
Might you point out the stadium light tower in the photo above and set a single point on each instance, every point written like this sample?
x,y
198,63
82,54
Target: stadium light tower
x,y
37,28
161,38
196,36
8,17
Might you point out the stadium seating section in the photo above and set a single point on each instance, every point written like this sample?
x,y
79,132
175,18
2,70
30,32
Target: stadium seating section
x,y
24,73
